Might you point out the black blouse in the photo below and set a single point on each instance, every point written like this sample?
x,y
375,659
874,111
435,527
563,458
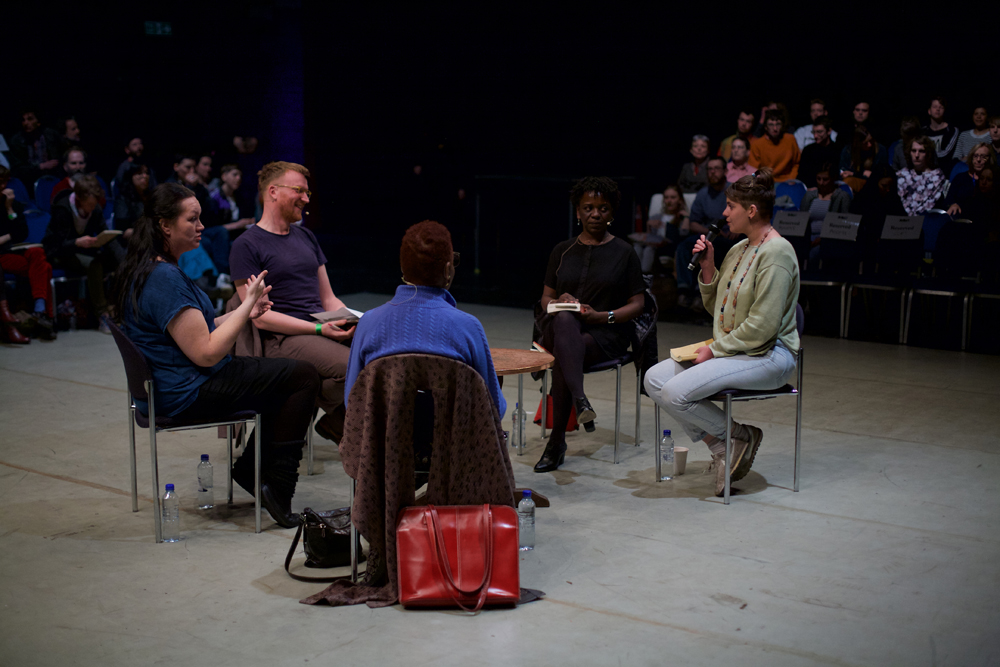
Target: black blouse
x,y
604,277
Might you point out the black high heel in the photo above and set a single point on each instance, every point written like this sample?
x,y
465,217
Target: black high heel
x,y
585,414
551,458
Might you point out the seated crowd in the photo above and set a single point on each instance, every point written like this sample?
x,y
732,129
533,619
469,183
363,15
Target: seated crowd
x,y
932,166
80,226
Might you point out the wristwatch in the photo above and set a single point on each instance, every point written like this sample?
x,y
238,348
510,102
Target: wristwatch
x,y
611,317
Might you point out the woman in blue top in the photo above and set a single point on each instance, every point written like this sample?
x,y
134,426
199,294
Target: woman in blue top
x,y
187,348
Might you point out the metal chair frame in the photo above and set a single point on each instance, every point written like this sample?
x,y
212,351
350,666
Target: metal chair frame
x,y
153,429
730,396
618,400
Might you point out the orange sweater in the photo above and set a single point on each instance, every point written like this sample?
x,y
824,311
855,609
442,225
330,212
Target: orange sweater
x,y
782,158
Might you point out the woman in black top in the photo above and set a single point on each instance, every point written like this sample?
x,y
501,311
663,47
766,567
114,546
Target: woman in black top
x,y
601,273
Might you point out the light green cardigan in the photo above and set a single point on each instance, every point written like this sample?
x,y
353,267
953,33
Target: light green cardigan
x,y
765,309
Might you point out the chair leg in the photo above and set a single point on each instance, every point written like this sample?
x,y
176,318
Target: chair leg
x,y
638,405
847,314
309,444
229,469
798,424
729,443
519,426
656,446
354,536
902,312
131,451
256,476
157,510
843,296
545,400
618,409
965,321
909,313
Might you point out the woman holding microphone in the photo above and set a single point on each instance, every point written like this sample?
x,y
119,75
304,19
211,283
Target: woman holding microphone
x,y
752,299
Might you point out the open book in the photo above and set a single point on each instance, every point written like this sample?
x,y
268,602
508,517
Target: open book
x,y
556,306
688,352
352,316
106,236
25,246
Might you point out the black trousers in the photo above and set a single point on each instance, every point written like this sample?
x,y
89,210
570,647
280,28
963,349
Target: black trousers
x,y
574,350
282,390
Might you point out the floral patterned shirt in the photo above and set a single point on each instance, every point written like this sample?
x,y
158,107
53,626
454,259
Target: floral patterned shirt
x,y
919,192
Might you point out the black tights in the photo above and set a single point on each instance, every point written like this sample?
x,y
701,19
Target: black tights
x,y
574,350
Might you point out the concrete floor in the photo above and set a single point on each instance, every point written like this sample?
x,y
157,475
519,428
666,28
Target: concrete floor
x,y
887,556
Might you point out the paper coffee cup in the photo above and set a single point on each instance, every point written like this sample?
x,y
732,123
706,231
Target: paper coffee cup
x,y
680,460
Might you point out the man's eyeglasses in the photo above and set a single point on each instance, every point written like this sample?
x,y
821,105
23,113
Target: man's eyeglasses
x,y
298,189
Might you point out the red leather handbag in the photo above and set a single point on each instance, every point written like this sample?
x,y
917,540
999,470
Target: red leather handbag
x,y
464,555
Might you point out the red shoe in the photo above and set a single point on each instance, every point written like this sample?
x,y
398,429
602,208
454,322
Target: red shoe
x,y
14,335
5,315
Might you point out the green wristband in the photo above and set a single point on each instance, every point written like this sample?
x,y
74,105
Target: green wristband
x,y
319,328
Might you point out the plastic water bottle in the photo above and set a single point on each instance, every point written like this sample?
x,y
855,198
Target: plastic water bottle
x,y
667,452
171,524
206,495
526,522
522,421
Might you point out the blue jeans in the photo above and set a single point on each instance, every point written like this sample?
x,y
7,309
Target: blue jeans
x,y
681,388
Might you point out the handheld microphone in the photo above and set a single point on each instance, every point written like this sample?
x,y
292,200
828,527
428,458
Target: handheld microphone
x,y
713,231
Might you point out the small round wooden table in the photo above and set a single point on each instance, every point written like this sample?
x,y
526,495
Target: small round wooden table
x,y
508,361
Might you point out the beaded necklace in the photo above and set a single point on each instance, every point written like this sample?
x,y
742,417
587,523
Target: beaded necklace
x,y
736,293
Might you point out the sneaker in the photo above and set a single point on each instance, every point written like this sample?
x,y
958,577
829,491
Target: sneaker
x,y
756,435
737,453
102,325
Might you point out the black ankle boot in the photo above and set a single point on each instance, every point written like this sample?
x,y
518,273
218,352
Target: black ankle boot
x,y
552,457
585,414
282,475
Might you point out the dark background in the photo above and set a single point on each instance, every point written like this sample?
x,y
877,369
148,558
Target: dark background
x,y
508,104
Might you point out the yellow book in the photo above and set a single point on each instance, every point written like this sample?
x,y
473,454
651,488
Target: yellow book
x,y
688,352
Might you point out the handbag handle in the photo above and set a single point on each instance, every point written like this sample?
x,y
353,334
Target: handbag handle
x,y
440,554
291,552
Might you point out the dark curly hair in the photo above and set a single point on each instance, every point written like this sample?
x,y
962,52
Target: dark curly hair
x,y
600,185
424,253
757,190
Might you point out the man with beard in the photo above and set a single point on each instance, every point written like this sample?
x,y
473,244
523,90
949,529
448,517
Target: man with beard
x,y
34,151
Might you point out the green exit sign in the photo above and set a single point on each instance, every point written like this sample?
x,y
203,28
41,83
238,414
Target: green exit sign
x,y
159,28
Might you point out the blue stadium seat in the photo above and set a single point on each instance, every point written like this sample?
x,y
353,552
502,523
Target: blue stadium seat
x,y
934,220
43,192
793,189
846,188
959,168
38,222
20,192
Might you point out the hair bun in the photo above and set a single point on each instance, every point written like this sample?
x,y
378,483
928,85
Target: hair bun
x,y
764,178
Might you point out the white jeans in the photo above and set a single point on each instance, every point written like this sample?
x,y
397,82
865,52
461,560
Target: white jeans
x,y
681,388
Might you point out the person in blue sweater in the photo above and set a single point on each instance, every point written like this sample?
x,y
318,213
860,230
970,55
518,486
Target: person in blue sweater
x,y
422,317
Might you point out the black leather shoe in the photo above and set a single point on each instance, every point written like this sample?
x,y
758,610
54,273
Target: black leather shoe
x,y
585,414
283,516
552,458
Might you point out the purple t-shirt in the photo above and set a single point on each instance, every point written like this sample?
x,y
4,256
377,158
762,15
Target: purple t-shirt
x,y
292,262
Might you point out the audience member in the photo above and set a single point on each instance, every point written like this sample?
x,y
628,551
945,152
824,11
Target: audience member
x,y
602,274
215,237
203,168
708,207
693,176
755,338
69,129
921,185
133,193
979,133
34,151
777,150
29,262
964,185
740,165
71,240
9,323
187,350
804,135
995,133
942,135
858,160
228,206
878,198
782,110
133,152
983,208
744,129
909,129
825,198
821,151
861,112
74,162
423,317
296,268
663,230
